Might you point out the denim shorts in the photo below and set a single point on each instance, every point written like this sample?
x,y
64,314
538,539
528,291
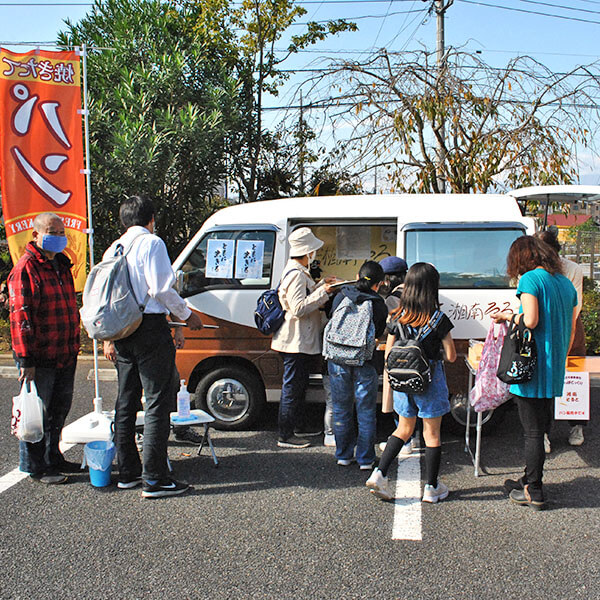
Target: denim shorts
x,y
432,403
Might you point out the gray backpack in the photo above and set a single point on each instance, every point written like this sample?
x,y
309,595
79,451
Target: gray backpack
x,y
349,337
110,309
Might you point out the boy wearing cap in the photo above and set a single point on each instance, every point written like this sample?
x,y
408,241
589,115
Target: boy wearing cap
x,y
395,269
299,338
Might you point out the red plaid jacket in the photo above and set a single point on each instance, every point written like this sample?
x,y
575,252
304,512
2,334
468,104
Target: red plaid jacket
x,y
44,320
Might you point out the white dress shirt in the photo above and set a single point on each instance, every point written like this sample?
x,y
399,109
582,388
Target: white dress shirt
x,y
151,272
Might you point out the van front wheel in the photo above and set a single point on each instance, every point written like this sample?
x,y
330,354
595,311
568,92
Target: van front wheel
x,y
234,396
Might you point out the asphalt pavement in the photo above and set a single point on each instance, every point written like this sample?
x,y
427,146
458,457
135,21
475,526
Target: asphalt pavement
x,y
270,523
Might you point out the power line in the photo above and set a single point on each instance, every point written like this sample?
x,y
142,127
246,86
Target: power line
x,y
595,12
531,12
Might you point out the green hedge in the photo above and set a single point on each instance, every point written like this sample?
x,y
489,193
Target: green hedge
x,y
590,315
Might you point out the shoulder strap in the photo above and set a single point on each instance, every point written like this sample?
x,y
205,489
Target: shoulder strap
x,y
124,252
120,249
284,276
436,317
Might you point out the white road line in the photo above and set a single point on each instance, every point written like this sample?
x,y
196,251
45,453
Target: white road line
x,y
407,509
12,478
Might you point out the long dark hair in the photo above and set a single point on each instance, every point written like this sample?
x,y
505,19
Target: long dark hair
x,y
420,298
527,253
370,274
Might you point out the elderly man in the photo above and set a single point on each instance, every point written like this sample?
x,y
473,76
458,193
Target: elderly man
x,y
44,325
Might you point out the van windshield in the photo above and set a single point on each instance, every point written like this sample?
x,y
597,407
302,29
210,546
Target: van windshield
x,y
464,257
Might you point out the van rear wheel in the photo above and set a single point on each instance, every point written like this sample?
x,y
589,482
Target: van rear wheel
x,y
234,396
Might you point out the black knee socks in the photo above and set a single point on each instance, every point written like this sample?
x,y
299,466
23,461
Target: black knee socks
x,y
433,457
392,449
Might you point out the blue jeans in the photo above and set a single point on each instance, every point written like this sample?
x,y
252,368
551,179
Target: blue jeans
x,y
145,361
350,384
296,369
55,388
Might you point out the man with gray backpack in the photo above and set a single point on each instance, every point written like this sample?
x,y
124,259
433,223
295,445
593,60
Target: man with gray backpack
x,y
145,358
358,317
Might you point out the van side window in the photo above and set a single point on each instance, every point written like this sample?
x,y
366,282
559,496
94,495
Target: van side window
x,y
226,259
465,258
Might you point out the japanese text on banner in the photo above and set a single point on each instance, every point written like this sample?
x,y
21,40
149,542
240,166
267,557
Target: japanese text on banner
x,y
41,149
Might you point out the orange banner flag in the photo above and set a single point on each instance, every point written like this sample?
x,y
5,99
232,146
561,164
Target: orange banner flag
x,y
41,149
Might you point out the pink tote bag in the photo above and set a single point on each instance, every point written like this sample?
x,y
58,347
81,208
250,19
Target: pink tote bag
x,y
489,392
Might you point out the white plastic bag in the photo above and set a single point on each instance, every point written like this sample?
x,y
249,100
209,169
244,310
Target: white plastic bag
x,y
28,414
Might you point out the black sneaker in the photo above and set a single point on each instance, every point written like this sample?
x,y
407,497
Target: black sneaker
x,y
303,433
170,487
188,435
293,442
49,477
127,483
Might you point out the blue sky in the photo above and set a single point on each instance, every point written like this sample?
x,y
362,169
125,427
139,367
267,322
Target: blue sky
x,y
561,42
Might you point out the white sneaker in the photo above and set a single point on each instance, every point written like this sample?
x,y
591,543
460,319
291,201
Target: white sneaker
x,y
407,448
378,485
382,445
366,467
346,462
547,446
329,440
576,435
435,494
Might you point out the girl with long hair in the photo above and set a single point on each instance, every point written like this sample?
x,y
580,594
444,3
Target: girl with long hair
x,y
419,307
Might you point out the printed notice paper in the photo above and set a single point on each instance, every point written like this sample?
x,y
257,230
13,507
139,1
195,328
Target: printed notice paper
x,y
219,258
574,404
249,258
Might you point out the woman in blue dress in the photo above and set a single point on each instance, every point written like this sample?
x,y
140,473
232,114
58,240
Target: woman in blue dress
x,y
548,300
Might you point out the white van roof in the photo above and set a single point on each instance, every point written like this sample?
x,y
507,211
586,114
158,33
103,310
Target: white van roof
x,y
408,208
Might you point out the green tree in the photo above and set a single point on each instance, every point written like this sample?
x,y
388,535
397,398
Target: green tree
x,y
161,99
517,126
263,23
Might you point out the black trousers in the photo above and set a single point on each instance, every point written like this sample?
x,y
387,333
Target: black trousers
x,y
145,361
535,415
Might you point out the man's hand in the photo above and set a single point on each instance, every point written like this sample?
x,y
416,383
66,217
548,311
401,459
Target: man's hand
x,y
179,338
194,321
109,351
26,374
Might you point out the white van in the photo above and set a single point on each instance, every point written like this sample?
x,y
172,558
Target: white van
x,y
240,252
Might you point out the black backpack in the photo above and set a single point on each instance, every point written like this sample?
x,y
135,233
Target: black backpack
x,y
407,365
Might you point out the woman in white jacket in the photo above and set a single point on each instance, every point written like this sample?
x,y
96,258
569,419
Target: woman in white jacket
x,y
299,338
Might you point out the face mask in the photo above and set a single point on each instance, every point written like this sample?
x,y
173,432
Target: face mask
x,y
311,256
53,243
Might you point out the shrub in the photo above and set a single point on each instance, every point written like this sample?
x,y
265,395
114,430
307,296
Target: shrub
x,y
590,315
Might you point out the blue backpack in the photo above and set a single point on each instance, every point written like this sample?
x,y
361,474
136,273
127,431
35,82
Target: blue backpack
x,y
269,314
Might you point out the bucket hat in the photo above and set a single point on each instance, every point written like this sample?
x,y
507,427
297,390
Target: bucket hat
x,y
393,264
302,241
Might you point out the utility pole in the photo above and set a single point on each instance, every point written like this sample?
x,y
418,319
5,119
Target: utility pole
x,y
440,7
301,140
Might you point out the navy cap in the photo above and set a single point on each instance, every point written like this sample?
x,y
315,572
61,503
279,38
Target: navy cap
x,y
393,264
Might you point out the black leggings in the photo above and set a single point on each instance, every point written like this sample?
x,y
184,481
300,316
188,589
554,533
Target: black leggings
x,y
535,415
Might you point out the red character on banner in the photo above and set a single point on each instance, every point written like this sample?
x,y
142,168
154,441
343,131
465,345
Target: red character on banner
x,y
51,163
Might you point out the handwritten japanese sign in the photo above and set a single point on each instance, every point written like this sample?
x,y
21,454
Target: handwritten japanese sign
x,y
574,404
41,149
219,258
249,259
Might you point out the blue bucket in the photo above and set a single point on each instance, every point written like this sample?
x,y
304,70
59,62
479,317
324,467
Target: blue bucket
x,y
99,456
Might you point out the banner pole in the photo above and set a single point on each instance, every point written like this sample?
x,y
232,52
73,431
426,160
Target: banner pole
x,y
88,189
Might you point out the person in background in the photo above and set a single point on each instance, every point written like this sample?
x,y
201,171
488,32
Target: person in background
x,y
299,338
574,273
44,325
358,384
394,269
548,302
418,308
145,360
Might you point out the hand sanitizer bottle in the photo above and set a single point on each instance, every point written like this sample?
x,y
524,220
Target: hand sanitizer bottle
x,y
183,401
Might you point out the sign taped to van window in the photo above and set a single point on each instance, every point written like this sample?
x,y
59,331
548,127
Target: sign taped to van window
x,y
219,258
353,243
249,259
574,404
